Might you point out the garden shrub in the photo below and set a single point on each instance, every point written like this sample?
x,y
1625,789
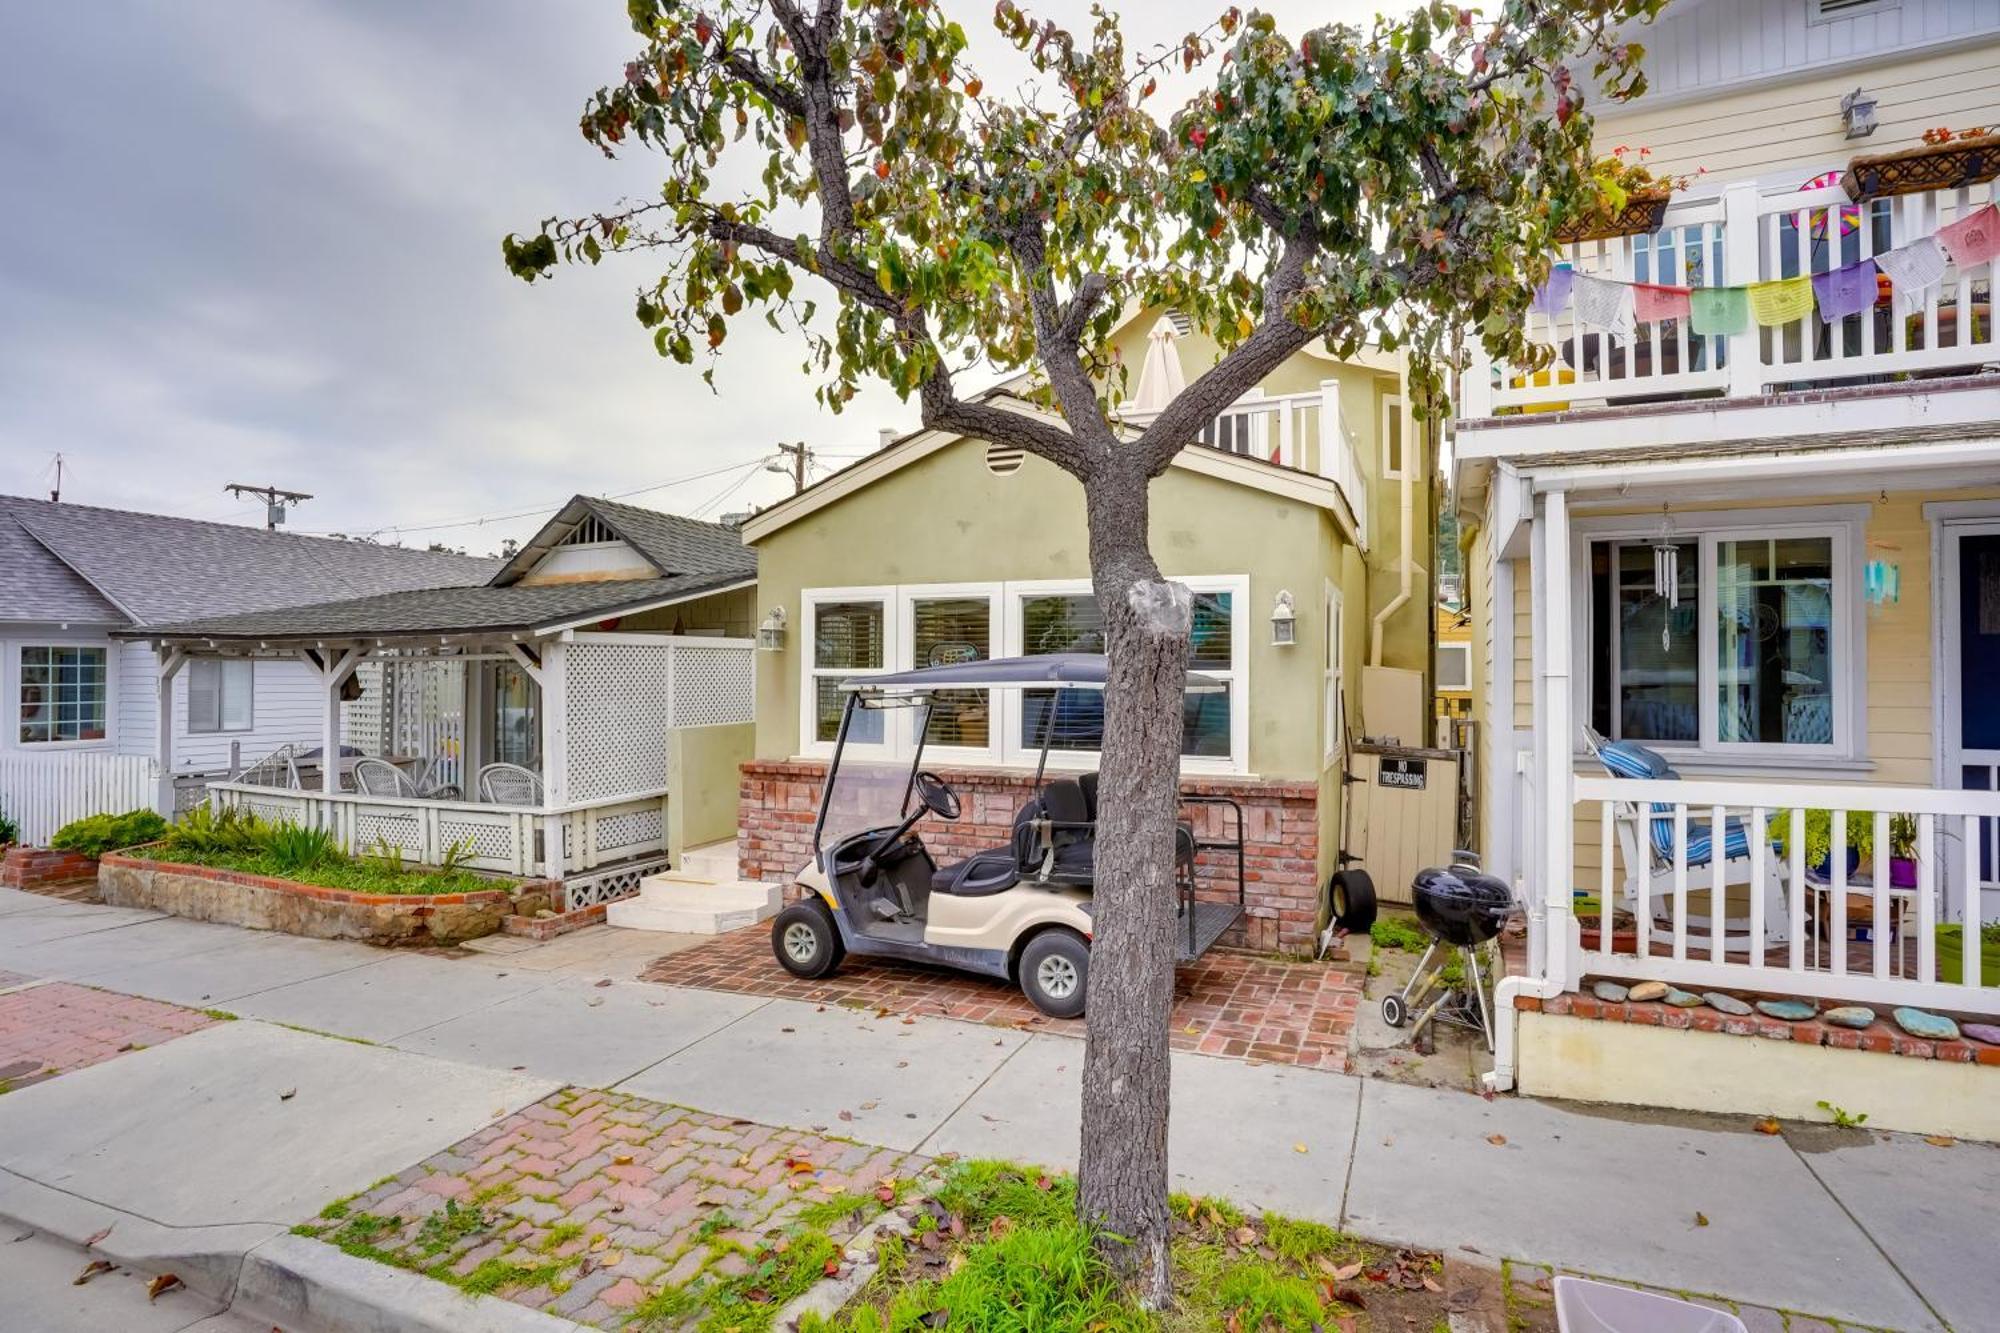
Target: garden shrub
x,y
94,835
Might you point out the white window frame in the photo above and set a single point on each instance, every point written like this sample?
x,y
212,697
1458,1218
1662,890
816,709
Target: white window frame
x,y
809,601
220,666
15,661
1845,525
1457,649
1392,411
1333,681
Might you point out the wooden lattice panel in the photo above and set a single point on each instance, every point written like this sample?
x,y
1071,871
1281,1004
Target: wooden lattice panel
x,y
373,828
618,719
714,686
630,828
487,840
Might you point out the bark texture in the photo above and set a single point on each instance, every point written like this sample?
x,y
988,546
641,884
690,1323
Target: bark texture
x,y
1123,1177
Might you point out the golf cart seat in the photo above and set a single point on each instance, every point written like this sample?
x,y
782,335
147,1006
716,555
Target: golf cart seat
x,y
1055,834
991,871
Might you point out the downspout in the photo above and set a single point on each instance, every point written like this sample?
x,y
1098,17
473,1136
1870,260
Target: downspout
x,y
1405,545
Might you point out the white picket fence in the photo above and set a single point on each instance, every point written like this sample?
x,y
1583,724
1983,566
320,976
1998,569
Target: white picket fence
x,y
43,792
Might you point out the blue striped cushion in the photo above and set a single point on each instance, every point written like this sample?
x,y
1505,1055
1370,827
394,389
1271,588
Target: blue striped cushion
x,y
1626,759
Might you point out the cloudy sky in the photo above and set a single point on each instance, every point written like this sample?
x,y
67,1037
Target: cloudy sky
x,y
259,241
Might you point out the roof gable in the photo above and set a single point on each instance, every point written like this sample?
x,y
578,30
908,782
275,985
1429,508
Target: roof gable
x,y
40,587
669,544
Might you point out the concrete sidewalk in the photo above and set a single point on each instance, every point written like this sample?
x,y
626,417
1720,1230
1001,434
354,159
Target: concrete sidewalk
x,y
1879,1230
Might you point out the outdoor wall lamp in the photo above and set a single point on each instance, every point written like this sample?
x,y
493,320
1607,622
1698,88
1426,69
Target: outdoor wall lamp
x,y
1857,113
771,634
1284,624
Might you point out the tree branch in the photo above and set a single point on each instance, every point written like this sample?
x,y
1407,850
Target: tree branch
x,y
1058,335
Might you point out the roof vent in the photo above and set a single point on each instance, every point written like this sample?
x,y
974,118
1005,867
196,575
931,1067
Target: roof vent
x,y
1183,326
1004,460
1826,10
591,531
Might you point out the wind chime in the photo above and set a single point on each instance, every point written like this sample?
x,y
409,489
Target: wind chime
x,y
1667,575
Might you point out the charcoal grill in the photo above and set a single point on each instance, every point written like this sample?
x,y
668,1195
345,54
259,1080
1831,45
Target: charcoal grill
x,y
1461,911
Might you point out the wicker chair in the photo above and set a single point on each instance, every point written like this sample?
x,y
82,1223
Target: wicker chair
x,y
377,777
509,784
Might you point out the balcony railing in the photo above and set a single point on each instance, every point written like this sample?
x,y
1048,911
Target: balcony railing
x,y
1750,235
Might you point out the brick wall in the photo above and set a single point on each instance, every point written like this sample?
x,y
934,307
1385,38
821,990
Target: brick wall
x,y
779,801
37,867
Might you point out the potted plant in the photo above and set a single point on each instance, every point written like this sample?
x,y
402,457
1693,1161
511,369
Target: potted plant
x,y
1903,851
1631,200
1949,159
1819,839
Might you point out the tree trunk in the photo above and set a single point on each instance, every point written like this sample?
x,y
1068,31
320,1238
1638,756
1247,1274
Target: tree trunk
x,y
1123,1181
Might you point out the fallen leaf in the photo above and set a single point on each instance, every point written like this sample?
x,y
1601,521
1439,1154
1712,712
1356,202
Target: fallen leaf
x,y
1940,1140
622,1159
92,1240
599,1242
1044,1183
1769,1125
614,1257
788,1029
1351,1296
957,1261
929,1241
1430,1284
832,1268
1497,1140
933,1318
1244,1236
869,1106
1000,1225
1344,1273
847,1115
757,1296
797,1165
91,1270
604,983
1701,1219
160,1285
1299,1147
743,1160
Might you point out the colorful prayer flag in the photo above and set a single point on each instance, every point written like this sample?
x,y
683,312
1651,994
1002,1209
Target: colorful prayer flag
x,y
1602,304
1845,291
1913,267
1719,311
1782,301
1652,302
1974,238
1553,295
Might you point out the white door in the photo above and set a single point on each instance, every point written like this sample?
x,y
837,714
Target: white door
x,y
1970,717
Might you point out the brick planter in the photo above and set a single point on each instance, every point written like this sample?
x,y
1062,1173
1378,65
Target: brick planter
x,y
208,893
1280,838
37,867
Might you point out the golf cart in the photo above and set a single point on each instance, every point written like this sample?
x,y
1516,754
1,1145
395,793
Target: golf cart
x,y
1020,911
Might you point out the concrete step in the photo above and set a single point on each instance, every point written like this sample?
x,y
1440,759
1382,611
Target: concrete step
x,y
688,906
713,861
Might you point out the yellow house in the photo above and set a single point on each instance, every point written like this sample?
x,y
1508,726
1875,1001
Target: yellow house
x,y
1301,523
1749,580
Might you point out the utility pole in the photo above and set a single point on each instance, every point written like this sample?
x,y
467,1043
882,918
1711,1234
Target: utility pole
x,y
800,457
274,499
55,492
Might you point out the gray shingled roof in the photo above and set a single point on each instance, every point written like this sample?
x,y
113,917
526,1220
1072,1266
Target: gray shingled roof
x,y
68,562
482,610
670,543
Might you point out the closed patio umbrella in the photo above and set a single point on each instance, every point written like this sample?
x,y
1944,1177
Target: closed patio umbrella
x,y
1160,378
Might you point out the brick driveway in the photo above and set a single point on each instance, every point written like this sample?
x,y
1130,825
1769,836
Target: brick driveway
x,y
51,1029
1231,1004
603,1207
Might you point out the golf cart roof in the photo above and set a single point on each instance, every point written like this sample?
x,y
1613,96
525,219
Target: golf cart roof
x,y
1074,671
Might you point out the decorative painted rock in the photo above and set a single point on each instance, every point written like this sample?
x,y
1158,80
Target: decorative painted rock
x,y
1791,1011
1849,1016
1681,999
1728,1004
1609,991
1931,1027
1985,1032
1648,990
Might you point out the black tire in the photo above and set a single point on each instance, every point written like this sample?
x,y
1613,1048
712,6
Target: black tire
x,y
1393,1012
1351,897
807,922
1055,972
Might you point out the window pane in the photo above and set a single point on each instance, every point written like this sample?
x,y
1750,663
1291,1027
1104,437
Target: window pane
x,y
1208,638
238,688
847,634
1657,645
947,630
1774,639
1074,719
1061,624
204,704
62,694
829,700
1205,724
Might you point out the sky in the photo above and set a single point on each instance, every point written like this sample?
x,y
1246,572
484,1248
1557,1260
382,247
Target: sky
x,y
260,242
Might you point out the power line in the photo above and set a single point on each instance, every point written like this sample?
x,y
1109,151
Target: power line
x,y
702,509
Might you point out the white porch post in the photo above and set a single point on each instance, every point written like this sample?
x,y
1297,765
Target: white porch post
x,y
1741,264
1554,738
555,752
333,668
171,661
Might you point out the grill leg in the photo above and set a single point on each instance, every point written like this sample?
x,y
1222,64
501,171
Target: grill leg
x,y
1479,994
1423,967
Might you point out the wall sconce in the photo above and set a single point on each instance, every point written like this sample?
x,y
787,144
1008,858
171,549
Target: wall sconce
x,y
1284,624
771,634
1857,113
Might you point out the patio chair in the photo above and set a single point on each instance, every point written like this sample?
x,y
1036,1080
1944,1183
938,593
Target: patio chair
x,y
1646,841
378,777
509,784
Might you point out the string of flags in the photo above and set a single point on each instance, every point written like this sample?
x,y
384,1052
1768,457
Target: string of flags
x,y
1617,307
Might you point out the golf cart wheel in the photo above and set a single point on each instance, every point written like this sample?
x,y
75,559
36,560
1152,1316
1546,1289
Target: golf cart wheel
x,y
1055,972
805,940
1352,895
1393,1012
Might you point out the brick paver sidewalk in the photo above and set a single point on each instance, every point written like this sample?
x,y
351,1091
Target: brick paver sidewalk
x,y
606,1208
1231,1004
52,1029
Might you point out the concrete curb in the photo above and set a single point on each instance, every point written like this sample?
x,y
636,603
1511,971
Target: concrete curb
x,y
304,1286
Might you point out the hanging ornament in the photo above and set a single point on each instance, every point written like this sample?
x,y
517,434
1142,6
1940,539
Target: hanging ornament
x,y
1667,575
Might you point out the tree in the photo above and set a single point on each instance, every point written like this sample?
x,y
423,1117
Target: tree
x,y
1396,184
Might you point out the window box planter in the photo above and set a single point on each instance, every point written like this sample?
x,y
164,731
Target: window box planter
x,y
260,902
1642,215
1944,166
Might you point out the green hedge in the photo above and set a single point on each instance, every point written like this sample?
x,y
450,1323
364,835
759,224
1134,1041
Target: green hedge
x,y
98,834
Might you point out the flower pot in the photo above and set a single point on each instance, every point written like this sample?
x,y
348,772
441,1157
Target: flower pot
x,y
1943,166
1902,872
1643,212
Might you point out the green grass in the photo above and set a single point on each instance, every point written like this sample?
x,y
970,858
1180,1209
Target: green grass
x,y
352,875
1397,932
449,1225
497,1275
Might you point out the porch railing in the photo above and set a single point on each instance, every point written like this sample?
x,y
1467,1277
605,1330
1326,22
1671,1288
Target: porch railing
x,y
1766,919
1750,235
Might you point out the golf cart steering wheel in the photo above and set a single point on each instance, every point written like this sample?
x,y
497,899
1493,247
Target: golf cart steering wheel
x,y
937,796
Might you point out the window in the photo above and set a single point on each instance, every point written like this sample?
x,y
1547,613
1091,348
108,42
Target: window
x,y
1392,439
1330,710
220,691
64,694
944,630
515,720
1757,651
1454,666
849,638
